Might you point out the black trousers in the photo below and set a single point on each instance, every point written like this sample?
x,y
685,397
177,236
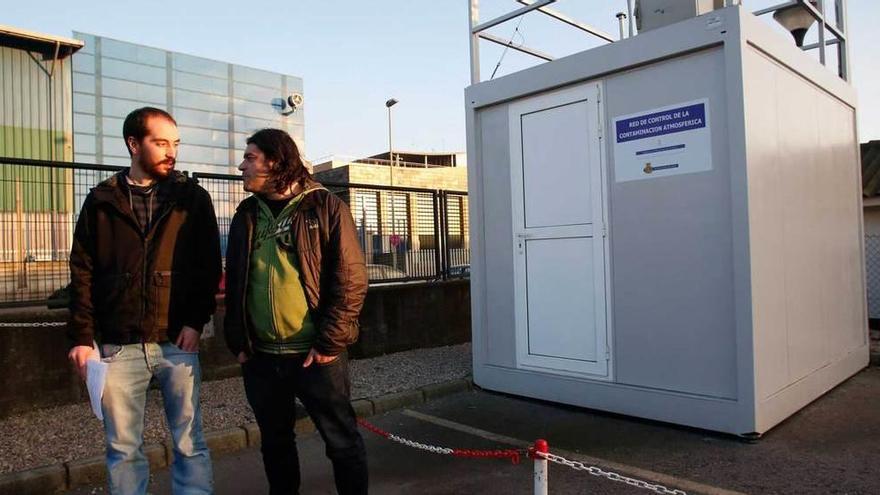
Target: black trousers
x,y
271,382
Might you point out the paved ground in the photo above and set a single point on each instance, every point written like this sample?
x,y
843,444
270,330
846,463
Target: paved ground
x,y
832,446
45,436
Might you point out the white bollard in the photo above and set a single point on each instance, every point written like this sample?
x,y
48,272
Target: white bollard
x,y
540,466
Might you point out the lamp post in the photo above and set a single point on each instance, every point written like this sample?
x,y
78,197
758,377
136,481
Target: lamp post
x,y
388,104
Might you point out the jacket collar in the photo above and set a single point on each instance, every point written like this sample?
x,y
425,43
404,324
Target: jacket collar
x,y
310,200
112,190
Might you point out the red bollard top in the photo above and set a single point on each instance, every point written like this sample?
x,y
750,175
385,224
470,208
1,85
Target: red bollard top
x,y
541,446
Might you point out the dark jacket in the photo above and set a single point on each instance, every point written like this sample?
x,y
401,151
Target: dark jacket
x,y
331,266
128,286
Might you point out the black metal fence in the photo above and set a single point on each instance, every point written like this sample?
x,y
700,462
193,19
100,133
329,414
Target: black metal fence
x,y
407,234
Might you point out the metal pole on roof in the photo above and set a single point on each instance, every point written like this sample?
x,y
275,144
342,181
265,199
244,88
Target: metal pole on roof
x,y
821,9
474,11
620,18
631,16
843,46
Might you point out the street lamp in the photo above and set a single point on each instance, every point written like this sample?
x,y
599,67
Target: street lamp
x,y
388,104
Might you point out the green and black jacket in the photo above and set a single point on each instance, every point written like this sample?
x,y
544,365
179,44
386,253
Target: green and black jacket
x,y
330,263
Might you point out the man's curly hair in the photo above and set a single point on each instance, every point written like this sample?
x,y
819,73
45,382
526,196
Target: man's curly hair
x,y
287,164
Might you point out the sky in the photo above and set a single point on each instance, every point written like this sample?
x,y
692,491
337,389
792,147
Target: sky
x,y
353,55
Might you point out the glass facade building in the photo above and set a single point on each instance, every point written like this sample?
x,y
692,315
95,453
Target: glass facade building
x,y
216,104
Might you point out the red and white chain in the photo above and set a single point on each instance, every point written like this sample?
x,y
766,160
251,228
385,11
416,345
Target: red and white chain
x,y
595,471
416,445
512,454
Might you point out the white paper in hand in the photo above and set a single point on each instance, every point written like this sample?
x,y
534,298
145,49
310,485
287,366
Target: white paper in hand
x,y
96,376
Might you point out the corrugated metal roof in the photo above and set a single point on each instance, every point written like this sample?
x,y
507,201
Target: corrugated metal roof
x,y
45,44
871,169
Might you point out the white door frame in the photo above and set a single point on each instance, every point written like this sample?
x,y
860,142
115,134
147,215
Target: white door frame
x,y
602,368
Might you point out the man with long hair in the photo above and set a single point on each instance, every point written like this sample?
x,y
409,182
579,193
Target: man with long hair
x,y
144,269
296,282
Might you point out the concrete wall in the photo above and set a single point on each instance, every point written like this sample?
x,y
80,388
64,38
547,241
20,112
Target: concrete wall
x,y
448,178
333,175
33,365
34,371
413,316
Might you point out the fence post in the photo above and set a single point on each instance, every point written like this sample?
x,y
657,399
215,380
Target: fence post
x,y
444,217
19,234
541,472
437,241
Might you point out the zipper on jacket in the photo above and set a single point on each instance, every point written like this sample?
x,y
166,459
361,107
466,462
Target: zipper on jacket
x,y
144,295
136,226
252,218
275,332
244,314
144,236
313,311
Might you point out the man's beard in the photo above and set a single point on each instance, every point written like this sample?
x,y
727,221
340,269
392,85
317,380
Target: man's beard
x,y
157,171
260,184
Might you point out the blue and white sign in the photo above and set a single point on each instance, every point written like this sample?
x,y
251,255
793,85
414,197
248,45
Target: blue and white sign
x,y
664,141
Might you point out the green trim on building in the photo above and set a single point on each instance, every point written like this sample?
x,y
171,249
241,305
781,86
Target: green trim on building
x,y
41,189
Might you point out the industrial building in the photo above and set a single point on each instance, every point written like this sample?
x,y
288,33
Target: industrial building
x,y
216,104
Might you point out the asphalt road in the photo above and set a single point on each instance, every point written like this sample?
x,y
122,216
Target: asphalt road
x,y
831,446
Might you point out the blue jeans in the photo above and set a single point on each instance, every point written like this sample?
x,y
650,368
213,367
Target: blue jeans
x,y
179,375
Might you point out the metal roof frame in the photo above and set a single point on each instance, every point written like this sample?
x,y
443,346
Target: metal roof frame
x,y
50,46
838,30
476,32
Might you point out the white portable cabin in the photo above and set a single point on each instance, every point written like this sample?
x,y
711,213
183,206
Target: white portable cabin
x,y
669,226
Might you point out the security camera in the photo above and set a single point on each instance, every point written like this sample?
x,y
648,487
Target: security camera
x,y
295,100
279,104
288,106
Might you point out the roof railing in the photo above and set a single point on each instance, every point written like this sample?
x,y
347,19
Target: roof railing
x,y
377,161
837,30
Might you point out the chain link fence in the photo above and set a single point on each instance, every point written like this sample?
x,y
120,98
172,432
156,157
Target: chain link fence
x,y
872,274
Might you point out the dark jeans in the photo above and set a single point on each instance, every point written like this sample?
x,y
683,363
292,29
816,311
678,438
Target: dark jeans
x,y
271,383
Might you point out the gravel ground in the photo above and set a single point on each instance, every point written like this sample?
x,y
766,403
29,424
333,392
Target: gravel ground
x,y
66,433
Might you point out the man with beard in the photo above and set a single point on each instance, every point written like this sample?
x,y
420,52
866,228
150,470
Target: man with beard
x,y
145,267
